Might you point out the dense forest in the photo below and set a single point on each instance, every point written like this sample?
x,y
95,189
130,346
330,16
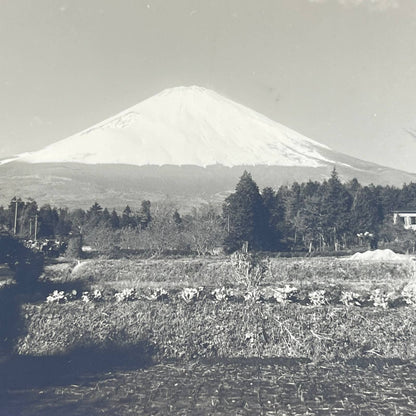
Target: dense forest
x,y
311,217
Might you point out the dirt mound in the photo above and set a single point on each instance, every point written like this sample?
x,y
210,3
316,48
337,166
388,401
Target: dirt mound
x,y
379,255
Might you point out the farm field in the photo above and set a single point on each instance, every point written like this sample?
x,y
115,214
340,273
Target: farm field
x,y
204,336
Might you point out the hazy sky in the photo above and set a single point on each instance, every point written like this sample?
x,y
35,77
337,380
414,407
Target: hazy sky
x,y
342,72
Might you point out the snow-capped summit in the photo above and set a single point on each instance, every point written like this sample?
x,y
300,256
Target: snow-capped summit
x,y
186,126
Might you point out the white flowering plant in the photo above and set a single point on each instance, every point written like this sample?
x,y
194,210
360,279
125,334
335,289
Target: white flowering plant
x,y
409,293
381,299
85,297
125,295
57,297
349,298
157,294
97,295
190,294
318,297
283,294
252,295
223,293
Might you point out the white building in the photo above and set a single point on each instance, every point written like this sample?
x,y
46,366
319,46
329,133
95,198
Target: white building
x,y
407,218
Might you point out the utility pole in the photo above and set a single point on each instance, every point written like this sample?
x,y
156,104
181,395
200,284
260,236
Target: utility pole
x,y
15,217
30,228
36,227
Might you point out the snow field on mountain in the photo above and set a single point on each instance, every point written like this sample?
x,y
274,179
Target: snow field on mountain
x,y
186,126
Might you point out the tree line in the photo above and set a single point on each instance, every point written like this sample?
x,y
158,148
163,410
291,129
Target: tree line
x,y
317,216
154,228
311,216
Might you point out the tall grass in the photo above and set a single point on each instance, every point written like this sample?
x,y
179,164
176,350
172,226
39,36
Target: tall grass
x,y
222,329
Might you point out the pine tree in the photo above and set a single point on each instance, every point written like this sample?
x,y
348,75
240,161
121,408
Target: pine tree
x,y
275,212
353,186
48,220
144,215
114,220
64,225
365,211
94,214
309,222
407,197
127,219
293,204
246,217
106,218
3,217
389,197
26,219
336,207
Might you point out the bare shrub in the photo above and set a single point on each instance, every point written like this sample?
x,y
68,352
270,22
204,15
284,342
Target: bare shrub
x,y
249,268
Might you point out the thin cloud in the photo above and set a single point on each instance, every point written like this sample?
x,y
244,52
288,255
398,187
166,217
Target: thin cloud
x,y
379,5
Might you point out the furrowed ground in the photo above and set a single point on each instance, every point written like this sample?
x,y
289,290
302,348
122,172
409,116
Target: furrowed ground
x,y
197,336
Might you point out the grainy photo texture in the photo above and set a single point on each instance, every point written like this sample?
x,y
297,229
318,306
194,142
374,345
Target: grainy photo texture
x,y
207,207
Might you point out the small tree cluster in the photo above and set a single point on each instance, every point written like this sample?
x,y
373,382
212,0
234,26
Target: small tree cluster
x,y
26,264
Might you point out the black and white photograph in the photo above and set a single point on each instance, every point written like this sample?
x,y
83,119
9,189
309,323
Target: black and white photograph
x,y
207,207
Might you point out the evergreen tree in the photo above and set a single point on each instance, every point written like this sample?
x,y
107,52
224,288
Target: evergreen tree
x,y
125,217
48,220
246,217
310,189
293,204
4,214
275,212
26,219
64,225
94,214
365,211
285,226
310,224
353,186
144,215
388,199
114,220
106,218
293,201
336,207
407,197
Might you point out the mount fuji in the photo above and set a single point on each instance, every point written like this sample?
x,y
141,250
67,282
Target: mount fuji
x,y
186,126
184,141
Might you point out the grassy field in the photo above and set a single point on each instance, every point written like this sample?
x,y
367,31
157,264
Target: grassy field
x,y
108,323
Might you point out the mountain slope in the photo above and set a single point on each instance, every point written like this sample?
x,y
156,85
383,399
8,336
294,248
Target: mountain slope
x,y
186,126
80,185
